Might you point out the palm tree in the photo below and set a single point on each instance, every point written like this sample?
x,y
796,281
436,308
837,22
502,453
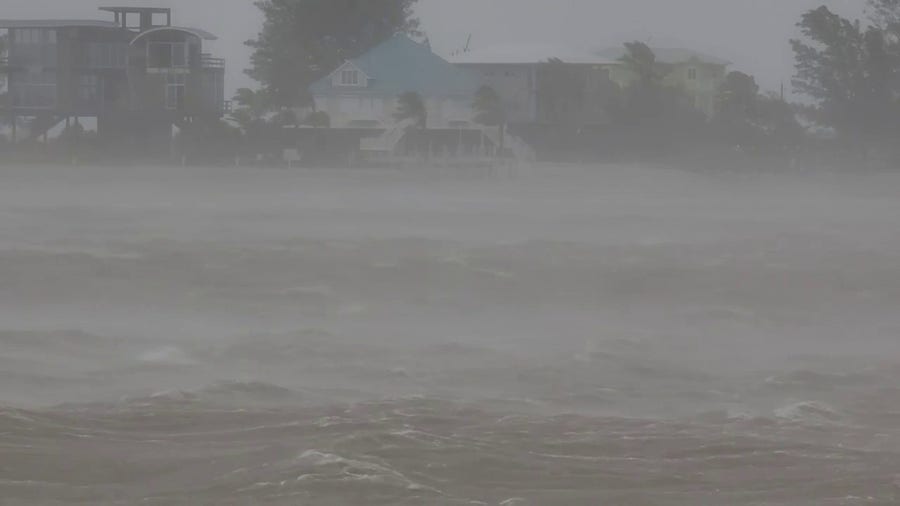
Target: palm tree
x,y
641,60
737,97
411,106
489,112
643,98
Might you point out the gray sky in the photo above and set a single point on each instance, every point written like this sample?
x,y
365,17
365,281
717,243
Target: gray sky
x,y
753,34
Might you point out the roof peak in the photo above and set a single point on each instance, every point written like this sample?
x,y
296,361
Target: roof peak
x,y
400,64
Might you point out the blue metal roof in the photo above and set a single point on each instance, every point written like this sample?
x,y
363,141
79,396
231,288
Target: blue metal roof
x,y
399,65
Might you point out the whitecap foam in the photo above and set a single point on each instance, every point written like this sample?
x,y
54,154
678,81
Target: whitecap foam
x,y
167,355
173,395
809,412
324,466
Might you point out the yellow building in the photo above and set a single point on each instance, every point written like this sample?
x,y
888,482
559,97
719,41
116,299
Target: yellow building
x,y
698,74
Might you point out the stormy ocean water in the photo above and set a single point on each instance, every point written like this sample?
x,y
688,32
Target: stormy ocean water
x,y
561,336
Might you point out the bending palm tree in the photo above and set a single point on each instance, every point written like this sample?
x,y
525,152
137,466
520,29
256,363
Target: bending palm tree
x,y
644,97
641,60
411,106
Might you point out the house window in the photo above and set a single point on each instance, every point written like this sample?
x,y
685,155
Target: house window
x,y
34,36
692,74
175,91
104,55
164,55
160,19
88,88
213,92
349,78
33,89
35,47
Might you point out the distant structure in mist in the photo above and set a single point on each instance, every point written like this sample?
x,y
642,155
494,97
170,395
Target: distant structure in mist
x,y
514,71
137,75
362,94
698,74
539,87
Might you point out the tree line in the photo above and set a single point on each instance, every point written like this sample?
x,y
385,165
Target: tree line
x,y
851,70
847,81
847,76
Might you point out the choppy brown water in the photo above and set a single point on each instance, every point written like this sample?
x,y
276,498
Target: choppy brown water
x,y
613,336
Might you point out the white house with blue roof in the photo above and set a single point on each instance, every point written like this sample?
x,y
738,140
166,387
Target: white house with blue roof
x,y
362,93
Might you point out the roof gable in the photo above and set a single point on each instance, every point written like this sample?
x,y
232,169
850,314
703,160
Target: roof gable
x,y
364,78
400,64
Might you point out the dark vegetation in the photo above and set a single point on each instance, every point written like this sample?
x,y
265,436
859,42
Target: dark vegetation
x,y
847,71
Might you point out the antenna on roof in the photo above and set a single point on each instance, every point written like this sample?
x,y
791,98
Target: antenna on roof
x,y
465,49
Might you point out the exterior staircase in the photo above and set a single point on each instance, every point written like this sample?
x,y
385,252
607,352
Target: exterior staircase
x,y
387,141
33,130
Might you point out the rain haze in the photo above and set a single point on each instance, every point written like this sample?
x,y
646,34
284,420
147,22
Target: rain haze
x,y
449,252
753,33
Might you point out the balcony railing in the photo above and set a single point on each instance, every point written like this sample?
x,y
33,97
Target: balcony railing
x,y
208,62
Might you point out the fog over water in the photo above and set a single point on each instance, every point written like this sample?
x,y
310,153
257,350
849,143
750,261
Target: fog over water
x,y
614,334
449,252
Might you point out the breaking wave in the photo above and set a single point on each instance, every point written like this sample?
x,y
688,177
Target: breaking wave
x,y
430,451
